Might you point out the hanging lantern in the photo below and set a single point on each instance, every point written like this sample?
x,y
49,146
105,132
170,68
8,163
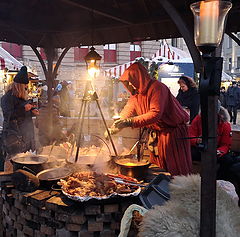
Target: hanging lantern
x,y
92,60
209,21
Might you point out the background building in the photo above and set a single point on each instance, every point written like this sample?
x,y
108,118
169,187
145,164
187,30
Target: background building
x,y
231,56
73,66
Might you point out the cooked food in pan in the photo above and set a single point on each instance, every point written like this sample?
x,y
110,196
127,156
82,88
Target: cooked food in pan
x,y
94,185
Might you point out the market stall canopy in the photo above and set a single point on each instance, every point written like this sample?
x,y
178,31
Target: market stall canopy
x,y
170,52
164,54
226,77
62,23
7,61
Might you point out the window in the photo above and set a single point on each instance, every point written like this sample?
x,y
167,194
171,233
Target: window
x,y
80,53
230,64
110,53
174,42
14,49
238,62
229,42
135,50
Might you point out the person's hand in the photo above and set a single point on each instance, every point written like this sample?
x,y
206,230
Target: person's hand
x,y
123,123
219,153
112,131
28,107
35,112
199,140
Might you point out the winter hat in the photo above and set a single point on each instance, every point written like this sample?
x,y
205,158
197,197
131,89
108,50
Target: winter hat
x,y
22,76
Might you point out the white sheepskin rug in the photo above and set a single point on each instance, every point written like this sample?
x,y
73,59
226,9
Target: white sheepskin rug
x,y
180,217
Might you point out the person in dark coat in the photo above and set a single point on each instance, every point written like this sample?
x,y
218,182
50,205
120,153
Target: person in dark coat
x,y
18,130
47,133
233,101
64,100
188,96
222,96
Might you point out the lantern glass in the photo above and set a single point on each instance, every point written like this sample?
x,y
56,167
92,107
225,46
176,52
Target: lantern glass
x,y
93,67
92,60
209,22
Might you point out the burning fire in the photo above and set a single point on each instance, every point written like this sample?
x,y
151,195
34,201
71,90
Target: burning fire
x,y
116,116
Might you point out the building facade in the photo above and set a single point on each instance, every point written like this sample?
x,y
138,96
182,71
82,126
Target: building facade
x,y
231,56
73,67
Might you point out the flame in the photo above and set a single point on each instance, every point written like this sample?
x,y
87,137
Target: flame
x,y
116,116
93,72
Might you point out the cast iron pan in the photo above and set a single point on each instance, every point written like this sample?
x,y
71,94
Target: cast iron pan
x,y
156,193
51,176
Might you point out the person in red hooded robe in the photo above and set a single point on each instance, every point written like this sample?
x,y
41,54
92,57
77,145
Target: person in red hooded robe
x,y
153,106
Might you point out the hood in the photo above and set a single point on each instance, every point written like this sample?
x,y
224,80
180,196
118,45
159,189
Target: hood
x,y
138,76
224,115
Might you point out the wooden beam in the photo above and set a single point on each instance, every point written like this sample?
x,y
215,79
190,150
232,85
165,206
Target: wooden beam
x,y
144,7
100,10
59,61
40,60
234,37
83,29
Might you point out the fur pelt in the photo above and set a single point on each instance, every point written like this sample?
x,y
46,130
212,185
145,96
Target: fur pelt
x,y
224,115
180,217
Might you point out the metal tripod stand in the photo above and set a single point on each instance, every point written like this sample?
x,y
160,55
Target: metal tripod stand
x,y
90,95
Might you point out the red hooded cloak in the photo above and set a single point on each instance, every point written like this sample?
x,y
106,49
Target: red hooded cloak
x,y
156,108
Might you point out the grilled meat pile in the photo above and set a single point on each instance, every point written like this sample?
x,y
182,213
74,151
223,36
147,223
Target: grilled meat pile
x,y
94,185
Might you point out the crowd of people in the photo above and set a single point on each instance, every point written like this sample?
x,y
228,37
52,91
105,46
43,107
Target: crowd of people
x,y
230,99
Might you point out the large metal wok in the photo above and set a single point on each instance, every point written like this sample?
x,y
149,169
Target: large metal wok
x,y
50,177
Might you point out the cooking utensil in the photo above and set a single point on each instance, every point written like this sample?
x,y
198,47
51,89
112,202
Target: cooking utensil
x,y
134,191
118,180
50,177
52,148
25,181
138,170
135,144
90,159
34,162
156,193
54,173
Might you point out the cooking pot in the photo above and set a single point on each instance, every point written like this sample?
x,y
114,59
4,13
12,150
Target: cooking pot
x,y
130,166
90,159
33,162
50,177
